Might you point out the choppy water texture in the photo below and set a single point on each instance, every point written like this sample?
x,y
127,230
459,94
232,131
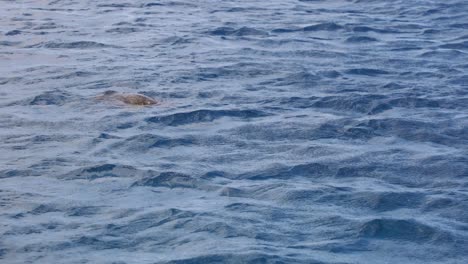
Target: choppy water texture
x,y
289,131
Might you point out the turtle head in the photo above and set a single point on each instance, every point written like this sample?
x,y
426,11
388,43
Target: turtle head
x,y
110,92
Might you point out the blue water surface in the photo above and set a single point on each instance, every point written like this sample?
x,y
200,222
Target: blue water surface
x,y
288,131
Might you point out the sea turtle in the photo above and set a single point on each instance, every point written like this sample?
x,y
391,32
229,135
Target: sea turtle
x,y
131,99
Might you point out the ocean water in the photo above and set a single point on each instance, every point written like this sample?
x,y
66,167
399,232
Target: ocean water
x,y
289,131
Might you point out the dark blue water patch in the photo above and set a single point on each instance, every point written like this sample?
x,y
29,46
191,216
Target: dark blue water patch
x,y
296,131
47,26
239,10
460,45
243,31
329,26
303,78
214,174
375,201
462,37
123,30
332,74
360,39
170,180
237,70
152,4
13,32
285,30
367,72
415,102
437,204
355,170
304,196
309,170
463,81
175,41
18,173
3,252
115,5
263,191
74,75
223,230
11,80
148,220
247,258
368,104
406,129
144,142
39,228
72,45
403,230
97,243
55,97
107,136
431,31
105,171
459,25
9,43
438,166
451,208
393,86
74,211
234,192
44,208
209,94
204,115
361,245
83,211
443,54
126,125
376,30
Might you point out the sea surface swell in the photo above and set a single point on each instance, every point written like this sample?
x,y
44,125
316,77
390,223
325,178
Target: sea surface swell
x,y
292,131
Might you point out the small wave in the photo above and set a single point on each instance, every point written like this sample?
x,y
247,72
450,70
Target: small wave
x,y
9,43
369,104
144,142
406,230
366,72
285,30
249,258
407,129
360,39
243,31
308,170
18,173
73,211
149,220
55,97
152,4
72,45
105,171
460,45
114,5
329,26
123,30
74,75
384,201
13,32
302,78
443,54
169,180
376,30
204,116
